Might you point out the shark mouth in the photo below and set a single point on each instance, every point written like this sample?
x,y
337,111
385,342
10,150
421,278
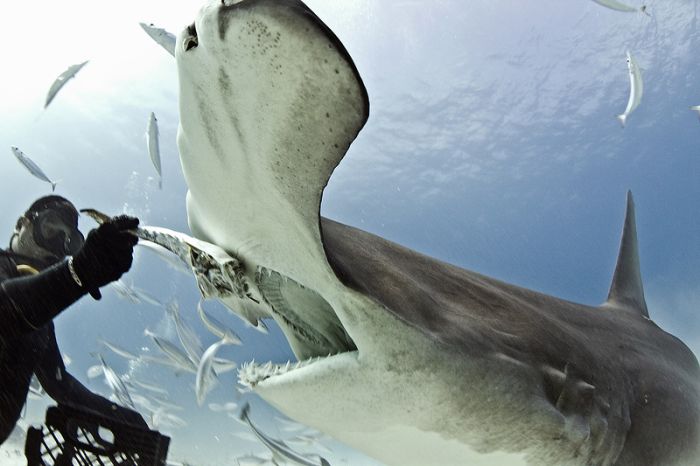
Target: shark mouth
x,y
251,373
312,328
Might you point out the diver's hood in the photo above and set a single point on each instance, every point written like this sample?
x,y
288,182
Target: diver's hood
x,y
55,228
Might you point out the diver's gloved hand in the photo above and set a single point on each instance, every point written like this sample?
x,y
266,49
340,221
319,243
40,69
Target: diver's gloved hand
x,y
107,253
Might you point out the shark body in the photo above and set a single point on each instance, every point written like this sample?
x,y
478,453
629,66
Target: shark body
x,y
406,358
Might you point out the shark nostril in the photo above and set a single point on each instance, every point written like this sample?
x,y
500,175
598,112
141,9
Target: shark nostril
x,y
190,43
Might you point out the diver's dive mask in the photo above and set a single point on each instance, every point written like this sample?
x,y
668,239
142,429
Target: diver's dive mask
x,y
56,230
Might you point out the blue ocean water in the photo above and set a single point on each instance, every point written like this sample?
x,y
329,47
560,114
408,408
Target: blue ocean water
x,y
492,144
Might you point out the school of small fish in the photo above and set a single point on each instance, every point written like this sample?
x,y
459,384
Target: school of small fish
x,y
187,356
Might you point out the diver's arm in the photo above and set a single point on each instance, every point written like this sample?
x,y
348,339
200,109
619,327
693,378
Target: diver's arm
x,y
67,390
28,303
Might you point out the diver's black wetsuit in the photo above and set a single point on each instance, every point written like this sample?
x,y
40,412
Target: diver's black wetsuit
x,y
28,343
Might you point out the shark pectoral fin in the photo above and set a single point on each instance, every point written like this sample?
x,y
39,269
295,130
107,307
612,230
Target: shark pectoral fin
x,y
626,289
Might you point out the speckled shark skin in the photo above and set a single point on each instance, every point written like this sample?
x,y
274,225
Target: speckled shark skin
x,y
430,363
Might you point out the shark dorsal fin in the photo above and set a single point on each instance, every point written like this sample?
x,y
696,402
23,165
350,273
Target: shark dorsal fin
x,y
626,289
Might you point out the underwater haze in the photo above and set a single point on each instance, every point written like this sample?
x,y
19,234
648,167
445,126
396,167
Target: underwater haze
x,y
492,144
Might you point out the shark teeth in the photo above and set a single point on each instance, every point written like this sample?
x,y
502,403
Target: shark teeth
x,y
251,373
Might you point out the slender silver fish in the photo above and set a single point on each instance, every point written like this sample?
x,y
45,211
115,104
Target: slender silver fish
x,y
177,463
179,357
35,388
118,350
280,450
150,387
147,297
636,89
216,327
218,273
116,384
309,441
164,361
153,145
221,365
167,256
696,108
61,81
253,460
619,6
32,167
216,407
94,371
189,339
205,371
247,436
165,419
134,294
164,38
124,292
290,425
143,295
143,403
166,404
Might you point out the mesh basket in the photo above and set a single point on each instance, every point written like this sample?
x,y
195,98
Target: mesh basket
x,y
71,437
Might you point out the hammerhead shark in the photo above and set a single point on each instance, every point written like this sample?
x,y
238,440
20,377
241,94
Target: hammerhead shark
x,y
404,357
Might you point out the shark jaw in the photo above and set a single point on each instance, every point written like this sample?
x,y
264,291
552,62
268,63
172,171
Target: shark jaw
x,y
307,320
344,394
251,373
383,403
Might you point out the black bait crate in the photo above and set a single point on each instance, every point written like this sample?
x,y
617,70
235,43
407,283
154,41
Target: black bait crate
x,y
71,437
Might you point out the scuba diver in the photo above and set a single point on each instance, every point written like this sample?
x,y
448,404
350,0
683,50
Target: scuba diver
x,y
48,266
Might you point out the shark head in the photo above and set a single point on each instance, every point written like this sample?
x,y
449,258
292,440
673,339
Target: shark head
x,y
258,128
409,359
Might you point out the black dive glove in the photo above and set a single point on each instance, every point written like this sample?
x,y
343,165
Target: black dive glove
x,y
107,253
